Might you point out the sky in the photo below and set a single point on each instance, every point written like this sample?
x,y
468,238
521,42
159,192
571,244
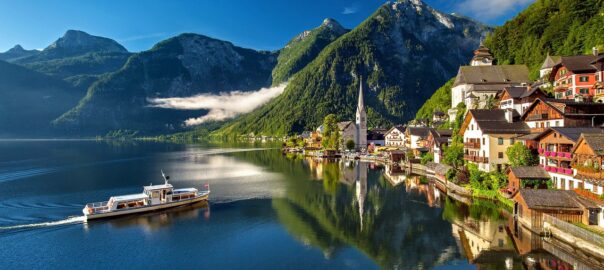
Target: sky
x,y
257,24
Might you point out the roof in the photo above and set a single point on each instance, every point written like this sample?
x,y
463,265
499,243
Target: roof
x,y
519,92
419,131
578,63
494,122
498,74
568,107
397,127
530,136
572,133
154,187
595,142
550,61
344,125
131,197
530,172
550,198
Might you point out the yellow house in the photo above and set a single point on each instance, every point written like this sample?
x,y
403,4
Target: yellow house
x,y
487,134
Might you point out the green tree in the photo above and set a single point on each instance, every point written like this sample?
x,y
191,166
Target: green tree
x,y
520,155
427,157
453,155
350,145
331,133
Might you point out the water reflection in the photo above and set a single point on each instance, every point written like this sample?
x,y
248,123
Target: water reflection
x,y
404,221
155,220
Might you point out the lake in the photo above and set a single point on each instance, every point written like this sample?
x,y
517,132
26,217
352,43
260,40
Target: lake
x,y
266,211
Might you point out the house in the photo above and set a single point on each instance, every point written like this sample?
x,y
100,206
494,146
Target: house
x,y
486,136
548,65
546,113
348,132
376,137
530,205
416,139
519,98
598,63
396,155
575,76
588,157
526,177
555,154
437,139
477,85
395,137
438,117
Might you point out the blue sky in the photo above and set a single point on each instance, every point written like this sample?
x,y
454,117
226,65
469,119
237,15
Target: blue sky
x,y
258,24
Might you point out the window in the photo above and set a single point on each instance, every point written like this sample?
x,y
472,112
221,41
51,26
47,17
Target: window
x,y
500,141
559,95
557,124
584,91
512,141
483,141
500,155
569,93
546,124
583,79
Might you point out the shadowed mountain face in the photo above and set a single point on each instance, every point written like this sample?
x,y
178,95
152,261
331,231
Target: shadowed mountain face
x,y
404,52
16,53
29,101
182,66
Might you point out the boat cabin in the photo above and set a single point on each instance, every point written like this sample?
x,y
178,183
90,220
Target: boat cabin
x,y
159,193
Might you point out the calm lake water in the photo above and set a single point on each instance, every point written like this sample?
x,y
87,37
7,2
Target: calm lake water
x,y
267,211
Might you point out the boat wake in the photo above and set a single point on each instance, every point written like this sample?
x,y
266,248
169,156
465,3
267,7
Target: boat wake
x,y
67,221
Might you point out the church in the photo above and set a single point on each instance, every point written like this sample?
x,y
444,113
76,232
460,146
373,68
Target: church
x,y
357,130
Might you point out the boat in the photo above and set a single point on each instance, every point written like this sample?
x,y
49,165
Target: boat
x,y
153,197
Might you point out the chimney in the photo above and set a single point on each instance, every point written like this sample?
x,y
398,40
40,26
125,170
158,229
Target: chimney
x,y
595,51
509,115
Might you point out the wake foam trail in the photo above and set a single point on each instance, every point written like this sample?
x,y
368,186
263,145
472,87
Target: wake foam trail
x,y
67,221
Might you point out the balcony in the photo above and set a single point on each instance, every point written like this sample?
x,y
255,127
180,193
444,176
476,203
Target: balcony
x,y
534,117
554,154
476,159
553,169
472,145
590,173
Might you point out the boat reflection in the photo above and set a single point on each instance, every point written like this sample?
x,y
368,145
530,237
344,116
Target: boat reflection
x,y
155,220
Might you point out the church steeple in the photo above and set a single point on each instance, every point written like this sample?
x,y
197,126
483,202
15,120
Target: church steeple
x,y
361,120
361,103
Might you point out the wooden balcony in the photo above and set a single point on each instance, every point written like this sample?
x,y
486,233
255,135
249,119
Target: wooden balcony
x,y
540,116
590,173
476,159
472,145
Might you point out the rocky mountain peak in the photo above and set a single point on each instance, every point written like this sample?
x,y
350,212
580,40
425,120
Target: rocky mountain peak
x,y
333,25
75,40
16,48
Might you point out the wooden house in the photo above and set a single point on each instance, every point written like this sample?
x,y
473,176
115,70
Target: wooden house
x,y
519,98
531,204
588,158
526,177
546,113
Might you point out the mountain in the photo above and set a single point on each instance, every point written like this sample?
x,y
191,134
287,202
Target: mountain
x,y
29,101
404,52
77,53
183,66
305,47
564,27
16,53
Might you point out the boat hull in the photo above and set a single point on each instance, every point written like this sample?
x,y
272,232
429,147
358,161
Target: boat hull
x,y
150,208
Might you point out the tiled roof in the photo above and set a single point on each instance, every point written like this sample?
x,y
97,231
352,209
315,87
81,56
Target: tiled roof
x,y
498,74
579,63
595,142
494,122
550,199
530,172
419,131
573,133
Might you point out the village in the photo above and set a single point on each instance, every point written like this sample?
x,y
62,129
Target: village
x,y
537,146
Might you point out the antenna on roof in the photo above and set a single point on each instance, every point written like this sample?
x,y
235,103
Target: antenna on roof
x,y
166,177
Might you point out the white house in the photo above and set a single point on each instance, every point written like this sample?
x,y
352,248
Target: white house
x,y
395,137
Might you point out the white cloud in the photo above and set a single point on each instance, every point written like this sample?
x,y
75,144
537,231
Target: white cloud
x,y
490,9
350,10
222,106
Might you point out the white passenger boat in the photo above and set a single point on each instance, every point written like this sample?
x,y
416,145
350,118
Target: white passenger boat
x,y
154,197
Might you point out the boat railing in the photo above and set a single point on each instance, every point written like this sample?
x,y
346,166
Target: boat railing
x,y
98,206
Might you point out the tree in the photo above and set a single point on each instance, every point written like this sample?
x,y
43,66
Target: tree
x,y
350,145
331,133
427,157
520,155
454,155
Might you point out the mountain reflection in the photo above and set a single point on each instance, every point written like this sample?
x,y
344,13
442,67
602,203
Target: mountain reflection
x,y
400,221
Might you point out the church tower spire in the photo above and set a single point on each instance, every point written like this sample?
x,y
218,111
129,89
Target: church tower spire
x,y
361,120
